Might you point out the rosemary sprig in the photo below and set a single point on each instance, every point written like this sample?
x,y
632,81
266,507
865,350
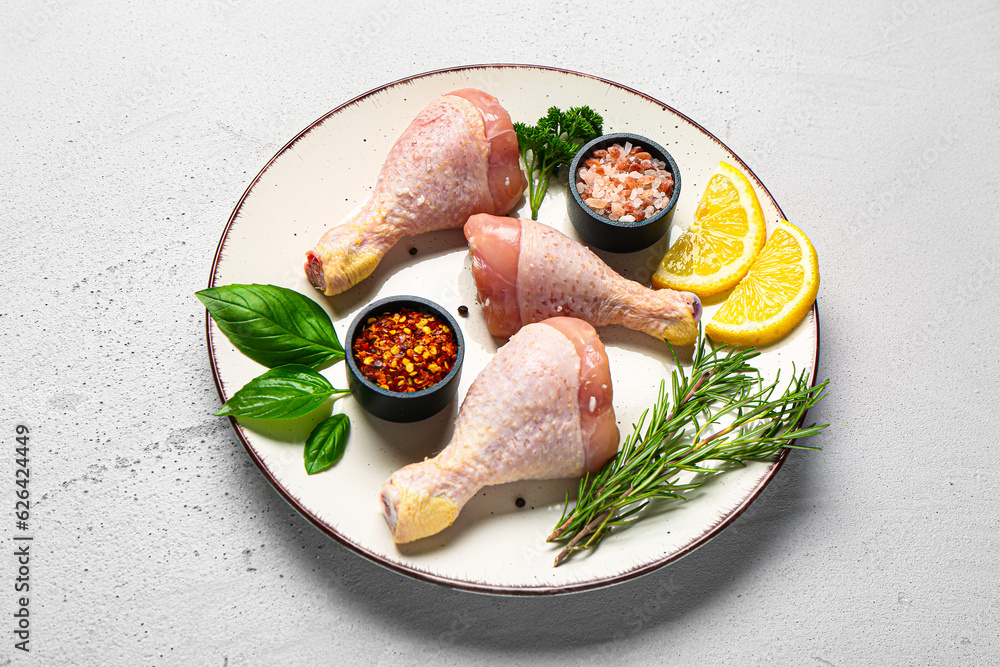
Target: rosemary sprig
x,y
720,411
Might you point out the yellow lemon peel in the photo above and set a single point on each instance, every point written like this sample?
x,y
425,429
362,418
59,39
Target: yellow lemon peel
x,y
719,246
775,295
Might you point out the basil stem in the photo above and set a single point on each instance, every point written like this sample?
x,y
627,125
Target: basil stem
x,y
285,392
326,443
273,325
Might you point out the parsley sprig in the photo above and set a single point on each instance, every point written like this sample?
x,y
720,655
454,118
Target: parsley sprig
x,y
551,143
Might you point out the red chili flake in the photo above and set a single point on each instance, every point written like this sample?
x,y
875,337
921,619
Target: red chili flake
x,y
405,350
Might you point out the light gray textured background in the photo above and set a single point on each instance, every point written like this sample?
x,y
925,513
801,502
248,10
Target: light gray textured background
x,y
129,133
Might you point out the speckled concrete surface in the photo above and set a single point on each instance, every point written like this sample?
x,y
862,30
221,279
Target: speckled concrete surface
x,y
129,132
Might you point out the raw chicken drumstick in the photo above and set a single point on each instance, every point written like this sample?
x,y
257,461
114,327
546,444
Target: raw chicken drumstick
x,y
541,409
459,156
526,271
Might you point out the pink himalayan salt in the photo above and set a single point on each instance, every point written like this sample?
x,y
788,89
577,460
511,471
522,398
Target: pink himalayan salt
x,y
624,183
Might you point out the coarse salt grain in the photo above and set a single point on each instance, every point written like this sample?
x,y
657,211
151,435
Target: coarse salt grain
x,y
624,183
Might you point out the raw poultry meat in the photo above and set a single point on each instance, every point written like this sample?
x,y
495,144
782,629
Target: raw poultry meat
x,y
526,271
541,409
459,156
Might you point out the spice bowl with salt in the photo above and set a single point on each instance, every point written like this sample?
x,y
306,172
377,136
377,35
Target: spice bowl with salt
x,y
404,358
622,192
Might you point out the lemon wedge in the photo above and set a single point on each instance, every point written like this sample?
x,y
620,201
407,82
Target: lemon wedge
x,y
719,246
774,296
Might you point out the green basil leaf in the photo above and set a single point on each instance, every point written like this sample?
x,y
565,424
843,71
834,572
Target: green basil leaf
x,y
326,443
273,325
284,392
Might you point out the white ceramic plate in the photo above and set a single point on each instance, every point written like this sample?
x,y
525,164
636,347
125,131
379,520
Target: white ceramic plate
x,y
326,173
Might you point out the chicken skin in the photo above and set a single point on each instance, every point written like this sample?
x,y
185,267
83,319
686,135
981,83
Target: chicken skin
x,y
541,409
458,157
526,271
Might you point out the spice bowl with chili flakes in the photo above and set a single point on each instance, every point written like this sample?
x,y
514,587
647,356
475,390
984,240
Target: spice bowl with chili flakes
x,y
623,190
404,358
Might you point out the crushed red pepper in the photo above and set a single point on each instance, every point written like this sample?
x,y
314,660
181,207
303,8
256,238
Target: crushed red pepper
x,y
405,350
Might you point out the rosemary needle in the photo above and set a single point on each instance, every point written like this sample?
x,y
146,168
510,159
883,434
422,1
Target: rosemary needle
x,y
720,411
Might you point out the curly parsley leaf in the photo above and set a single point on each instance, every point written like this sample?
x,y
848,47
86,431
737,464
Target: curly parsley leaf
x,y
551,143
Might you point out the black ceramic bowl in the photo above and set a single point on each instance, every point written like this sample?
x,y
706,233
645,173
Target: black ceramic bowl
x,y
613,235
397,406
